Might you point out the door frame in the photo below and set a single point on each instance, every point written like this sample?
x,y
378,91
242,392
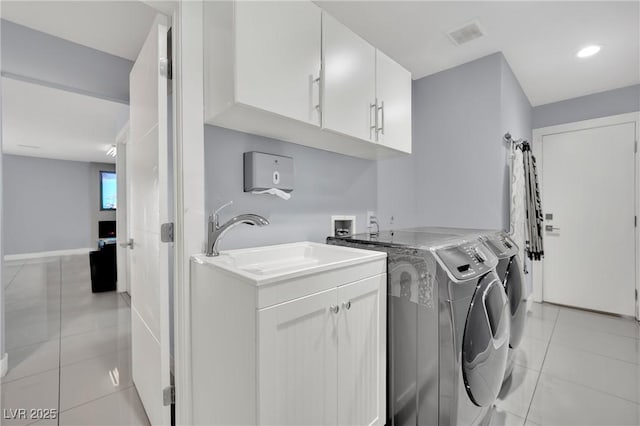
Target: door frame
x,y
189,204
537,147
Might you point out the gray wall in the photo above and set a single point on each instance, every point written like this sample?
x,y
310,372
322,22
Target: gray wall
x,y
515,118
325,184
50,204
458,173
41,58
603,104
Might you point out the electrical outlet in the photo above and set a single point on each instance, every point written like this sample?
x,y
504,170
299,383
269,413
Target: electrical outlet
x,y
370,214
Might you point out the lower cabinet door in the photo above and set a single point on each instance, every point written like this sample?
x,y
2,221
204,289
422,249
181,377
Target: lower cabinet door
x,y
297,361
362,352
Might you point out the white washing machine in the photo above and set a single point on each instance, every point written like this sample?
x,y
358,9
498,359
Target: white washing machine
x,y
448,327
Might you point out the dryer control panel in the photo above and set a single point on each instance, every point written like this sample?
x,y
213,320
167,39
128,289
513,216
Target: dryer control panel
x,y
502,246
467,261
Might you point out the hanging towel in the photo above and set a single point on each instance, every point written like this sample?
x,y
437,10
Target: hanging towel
x,y
533,209
518,201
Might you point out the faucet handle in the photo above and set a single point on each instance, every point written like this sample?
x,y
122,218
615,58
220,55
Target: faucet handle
x,y
214,216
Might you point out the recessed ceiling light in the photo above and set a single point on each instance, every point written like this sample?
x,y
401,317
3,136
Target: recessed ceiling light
x,y
588,51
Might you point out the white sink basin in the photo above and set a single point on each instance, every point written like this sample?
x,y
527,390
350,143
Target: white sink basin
x,y
274,263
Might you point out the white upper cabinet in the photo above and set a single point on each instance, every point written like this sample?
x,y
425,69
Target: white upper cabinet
x,y
349,84
263,55
289,71
278,57
393,94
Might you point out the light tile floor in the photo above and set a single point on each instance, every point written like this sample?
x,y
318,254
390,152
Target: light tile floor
x,y
69,349
575,368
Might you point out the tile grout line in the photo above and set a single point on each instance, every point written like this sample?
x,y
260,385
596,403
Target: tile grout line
x,y
14,276
99,398
582,385
535,388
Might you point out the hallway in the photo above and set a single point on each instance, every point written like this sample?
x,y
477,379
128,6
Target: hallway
x,y
69,349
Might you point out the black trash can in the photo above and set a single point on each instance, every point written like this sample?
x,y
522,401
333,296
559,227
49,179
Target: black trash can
x,y
103,269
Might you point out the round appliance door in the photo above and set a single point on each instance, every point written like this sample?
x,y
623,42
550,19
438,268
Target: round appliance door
x,y
485,343
514,285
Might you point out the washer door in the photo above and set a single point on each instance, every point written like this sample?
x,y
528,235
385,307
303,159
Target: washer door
x,y
514,285
486,341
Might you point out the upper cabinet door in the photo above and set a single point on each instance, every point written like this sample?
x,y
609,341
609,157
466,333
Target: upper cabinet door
x,y
348,84
278,57
393,90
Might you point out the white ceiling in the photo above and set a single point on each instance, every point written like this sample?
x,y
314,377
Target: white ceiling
x,y
64,125
116,27
539,39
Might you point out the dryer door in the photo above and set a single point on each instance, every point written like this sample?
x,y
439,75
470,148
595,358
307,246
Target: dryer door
x,y
514,285
486,341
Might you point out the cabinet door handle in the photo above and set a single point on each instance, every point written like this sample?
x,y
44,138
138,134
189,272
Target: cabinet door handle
x,y
381,110
334,309
318,81
347,305
374,127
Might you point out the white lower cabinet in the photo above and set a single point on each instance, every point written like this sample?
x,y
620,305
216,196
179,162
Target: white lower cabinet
x,y
322,357
289,346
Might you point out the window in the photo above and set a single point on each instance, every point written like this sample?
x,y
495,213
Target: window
x,y
108,191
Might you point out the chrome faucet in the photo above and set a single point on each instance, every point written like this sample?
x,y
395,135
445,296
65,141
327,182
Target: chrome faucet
x,y
217,231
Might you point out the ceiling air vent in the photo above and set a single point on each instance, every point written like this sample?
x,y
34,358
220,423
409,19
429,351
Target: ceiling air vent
x,y
465,33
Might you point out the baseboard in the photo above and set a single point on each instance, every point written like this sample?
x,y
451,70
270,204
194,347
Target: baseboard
x,y
4,365
54,253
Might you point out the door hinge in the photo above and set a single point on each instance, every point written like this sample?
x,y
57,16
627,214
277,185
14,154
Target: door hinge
x,y
635,221
635,146
169,54
166,232
169,395
636,294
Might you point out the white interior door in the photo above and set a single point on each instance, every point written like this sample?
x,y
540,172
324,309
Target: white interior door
x,y
588,177
149,208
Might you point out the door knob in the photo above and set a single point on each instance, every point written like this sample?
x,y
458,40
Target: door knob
x,y
334,308
127,244
347,305
550,228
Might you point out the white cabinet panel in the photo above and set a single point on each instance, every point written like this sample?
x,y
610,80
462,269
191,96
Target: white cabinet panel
x,y
362,352
278,57
393,91
297,362
349,86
